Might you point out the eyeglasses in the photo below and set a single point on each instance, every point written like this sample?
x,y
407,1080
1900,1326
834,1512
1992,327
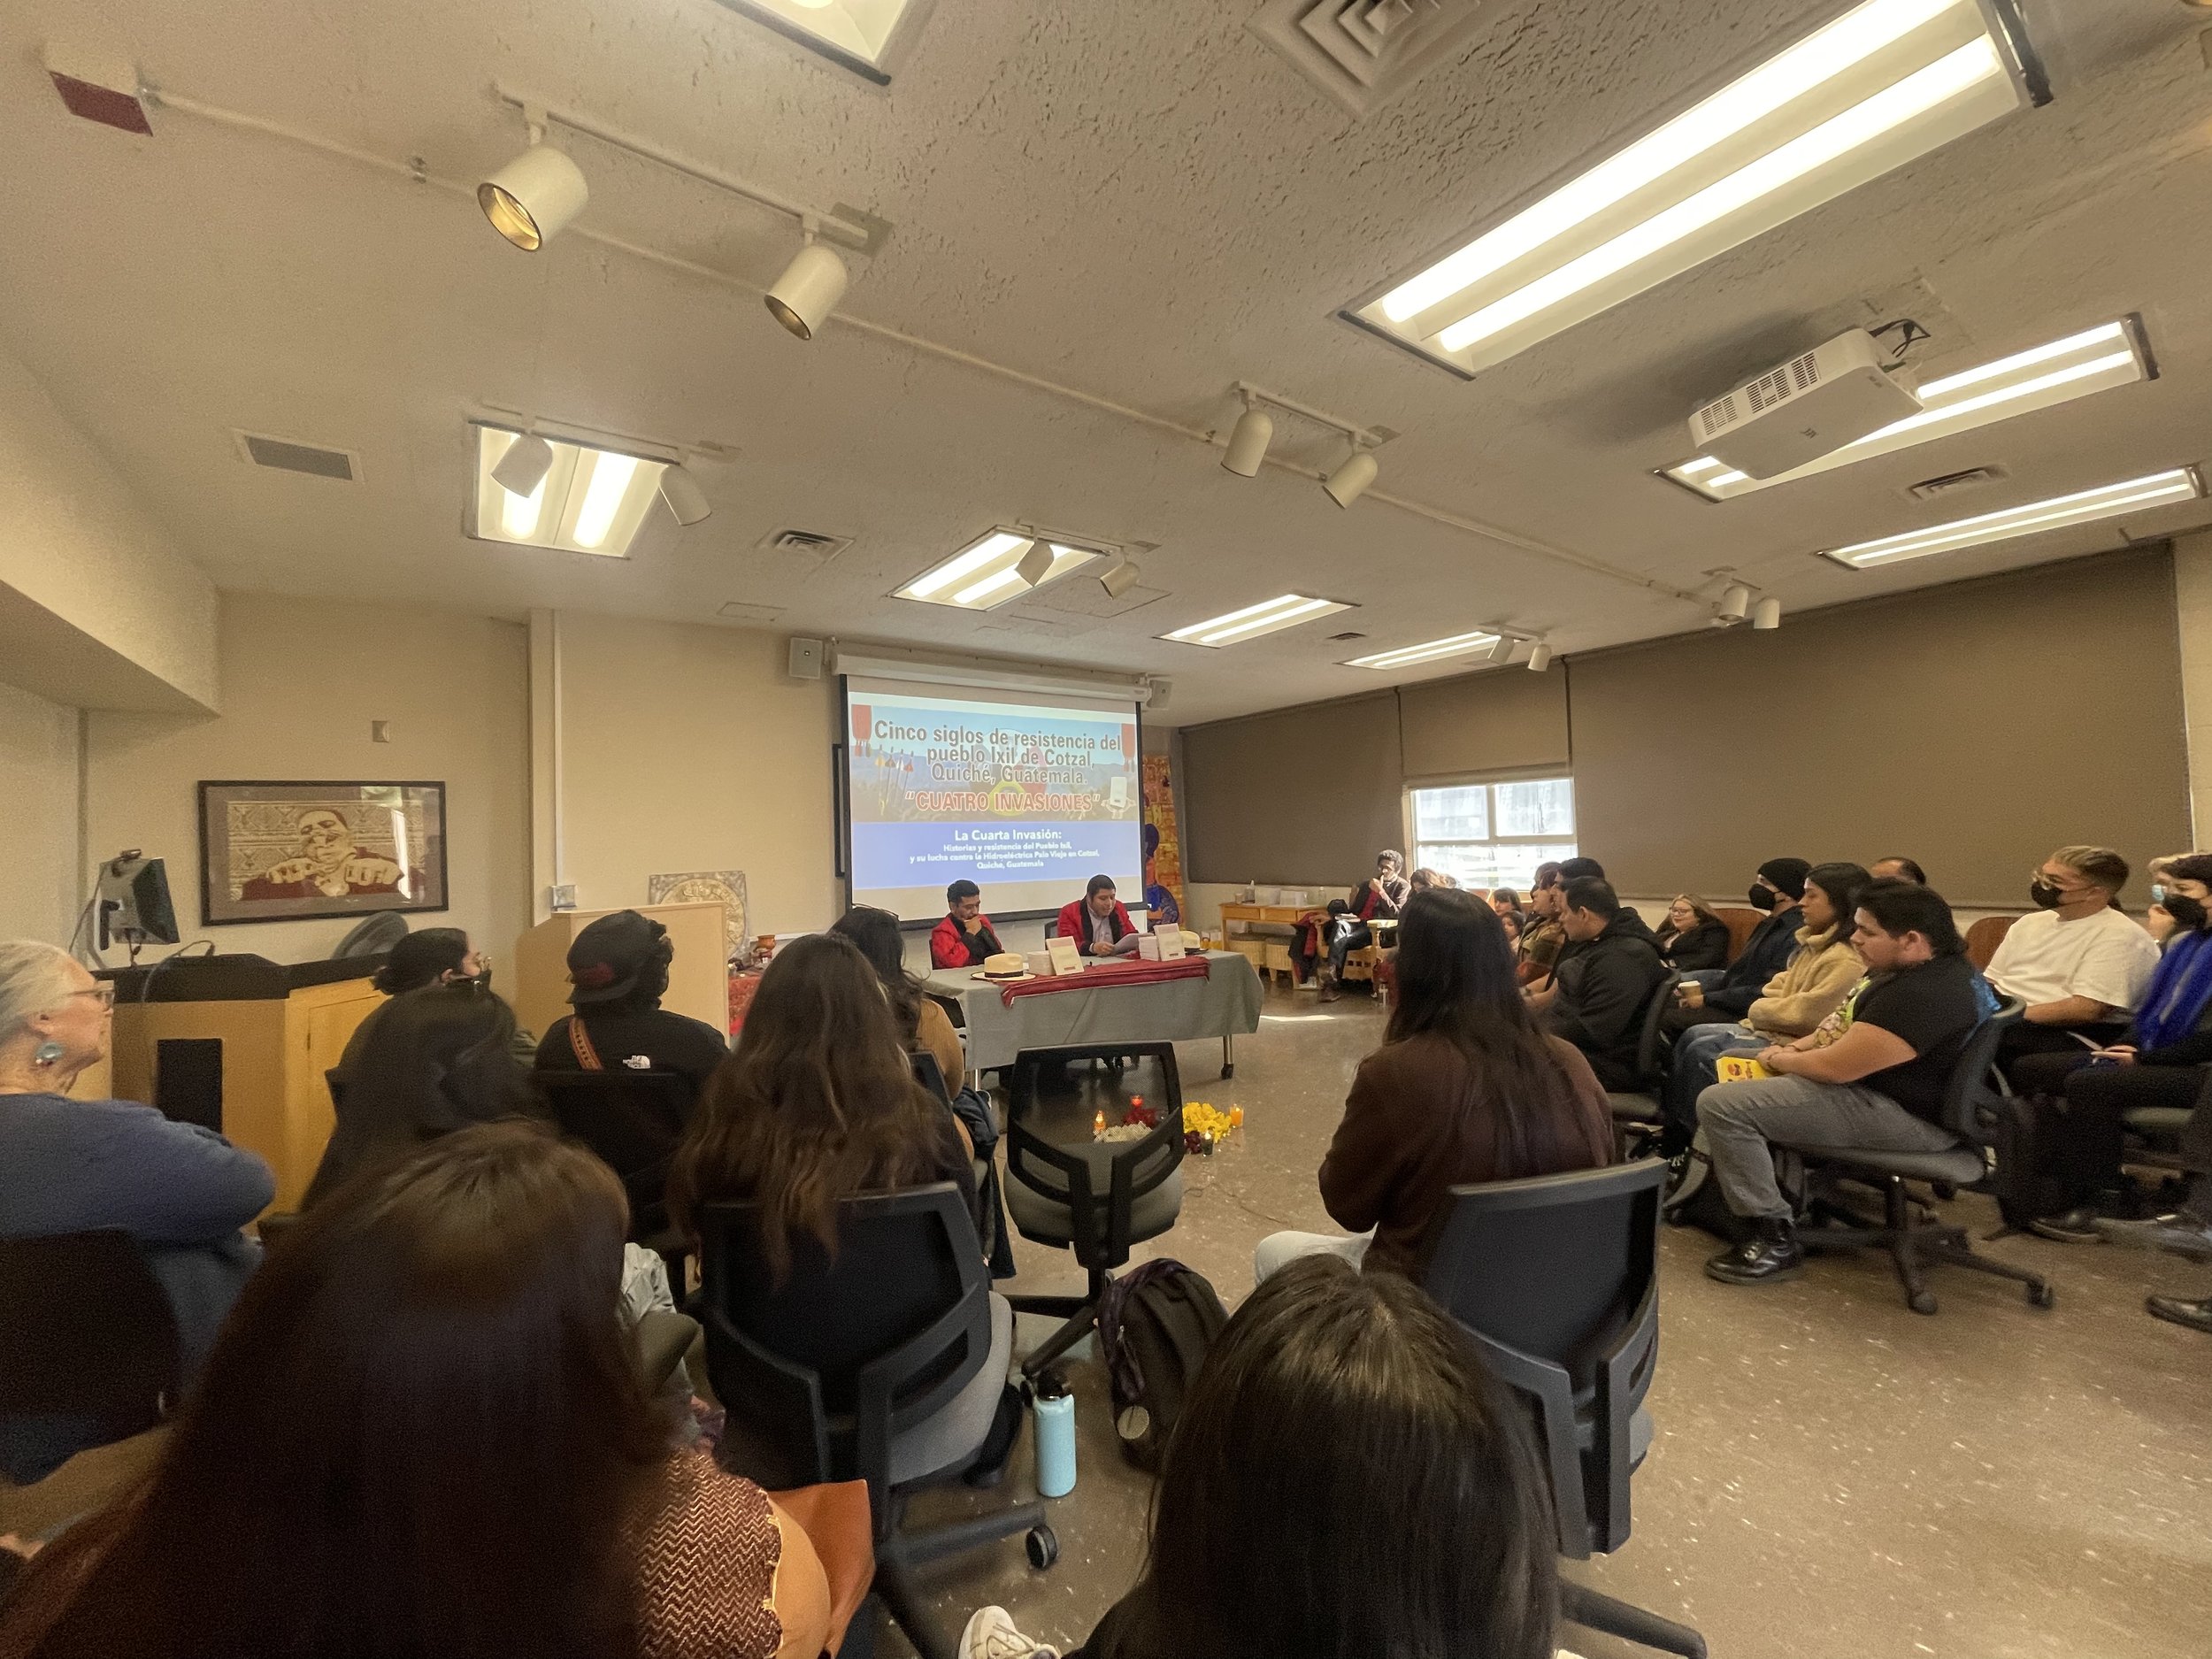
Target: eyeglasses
x,y
105,992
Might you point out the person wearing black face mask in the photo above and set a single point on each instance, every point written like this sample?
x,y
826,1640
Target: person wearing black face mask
x,y
2164,1059
427,957
2078,962
1777,888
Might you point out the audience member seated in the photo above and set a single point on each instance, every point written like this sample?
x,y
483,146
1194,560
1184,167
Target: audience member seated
x,y
1381,898
964,937
1542,936
1880,1086
817,1104
423,1431
1777,888
1810,986
923,1026
1159,903
181,1192
1602,981
1505,901
2163,1060
436,1060
1897,869
430,955
1580,869
1693,937
1097,922
617,970
1465,1087
2078,960
2187,1231
1345,1479
1512,922
1422,879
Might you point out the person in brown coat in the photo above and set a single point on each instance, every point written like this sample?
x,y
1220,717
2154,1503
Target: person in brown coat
x,y
1466,1088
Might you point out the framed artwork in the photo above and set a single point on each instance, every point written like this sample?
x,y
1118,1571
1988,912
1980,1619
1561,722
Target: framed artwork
x,y
725,887
290,852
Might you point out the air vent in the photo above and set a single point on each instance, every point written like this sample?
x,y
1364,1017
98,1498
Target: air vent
x,y
288,455
1716,416
816,546
1361,53
1339,639
1950,483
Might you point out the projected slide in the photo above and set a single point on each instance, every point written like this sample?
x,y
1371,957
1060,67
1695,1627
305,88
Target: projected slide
x,y
1026,796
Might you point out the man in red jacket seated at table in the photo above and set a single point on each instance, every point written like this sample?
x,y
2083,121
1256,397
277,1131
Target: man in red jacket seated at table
x,y
1097,923
965,936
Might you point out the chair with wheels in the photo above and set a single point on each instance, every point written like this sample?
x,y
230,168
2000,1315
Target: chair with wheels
x,y
1909,1228
89,1335
1556,1279
1097,1198
1983,937
1638,1117
886,1363
634,1121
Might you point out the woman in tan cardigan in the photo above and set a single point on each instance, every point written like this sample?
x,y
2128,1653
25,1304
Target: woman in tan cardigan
x,y
1811,985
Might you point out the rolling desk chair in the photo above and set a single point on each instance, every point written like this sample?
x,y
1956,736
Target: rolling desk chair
x,y
1638,1117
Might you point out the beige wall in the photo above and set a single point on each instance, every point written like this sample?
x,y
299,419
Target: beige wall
x,y
2192,601
689,748
38,818
300,682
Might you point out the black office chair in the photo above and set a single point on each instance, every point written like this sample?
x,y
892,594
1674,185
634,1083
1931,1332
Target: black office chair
x,y
89,1333
1098,1198
1909,1229
886,1363
634,1121
1639,1116
1556,1279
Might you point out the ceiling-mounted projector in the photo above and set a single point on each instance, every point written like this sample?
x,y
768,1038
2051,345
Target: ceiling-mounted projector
x,y
1833,395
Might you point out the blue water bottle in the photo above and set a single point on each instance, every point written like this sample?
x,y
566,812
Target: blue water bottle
x,y
1056,1436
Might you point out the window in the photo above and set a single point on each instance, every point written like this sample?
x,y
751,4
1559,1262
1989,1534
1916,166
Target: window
x,y
1494,834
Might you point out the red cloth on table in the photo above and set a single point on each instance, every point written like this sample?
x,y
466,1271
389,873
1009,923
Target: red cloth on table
x,y
1105,972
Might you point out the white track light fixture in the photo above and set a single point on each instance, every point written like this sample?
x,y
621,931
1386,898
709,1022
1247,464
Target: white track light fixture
x,y
1352,476
523,468
1248,442
1766,616
1539,657
1119,579
534,196
1034,564
1735,605
680,490
809,289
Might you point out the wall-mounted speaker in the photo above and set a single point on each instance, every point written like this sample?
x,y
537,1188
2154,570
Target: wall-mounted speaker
x,y
806,659
1162,690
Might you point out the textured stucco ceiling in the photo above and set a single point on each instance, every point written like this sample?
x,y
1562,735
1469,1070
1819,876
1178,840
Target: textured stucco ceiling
x,y
1130,198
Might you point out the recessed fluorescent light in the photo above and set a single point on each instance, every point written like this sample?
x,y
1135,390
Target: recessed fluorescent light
x,y
866,35
2057,371
590,500
1885,82
2155,489
1285,611
987,572
1406,656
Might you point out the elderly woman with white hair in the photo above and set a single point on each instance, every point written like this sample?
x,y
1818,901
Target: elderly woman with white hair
x,y
67,1165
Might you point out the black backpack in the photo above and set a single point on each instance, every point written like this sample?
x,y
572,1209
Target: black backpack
x,y
1692,1195
1154,1325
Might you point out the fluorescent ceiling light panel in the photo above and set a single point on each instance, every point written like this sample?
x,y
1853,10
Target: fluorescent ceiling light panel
x,y
1286,611
2057,372
1885,82
863,34
987,573
1483,639
590,500
2108,500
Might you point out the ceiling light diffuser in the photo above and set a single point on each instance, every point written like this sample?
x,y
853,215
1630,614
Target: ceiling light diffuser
x,y
2057,371
1286,611
2154,490
867,37
1481,642
990,571
585,499
1887,81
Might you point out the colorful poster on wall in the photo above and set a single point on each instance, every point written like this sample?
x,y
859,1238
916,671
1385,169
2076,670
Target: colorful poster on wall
x,y
1163,846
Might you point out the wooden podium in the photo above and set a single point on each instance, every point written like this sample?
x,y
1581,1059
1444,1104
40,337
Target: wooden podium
x,y
240,1044
698,974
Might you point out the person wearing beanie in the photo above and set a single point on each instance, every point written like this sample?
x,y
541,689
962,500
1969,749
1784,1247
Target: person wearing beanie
x,y
1778,888
618,968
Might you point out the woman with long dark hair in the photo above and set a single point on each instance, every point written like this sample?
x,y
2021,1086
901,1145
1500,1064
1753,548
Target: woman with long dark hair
x,y
924,1028
818,1103
1464,1088
423,1431
432,1061
1346,1481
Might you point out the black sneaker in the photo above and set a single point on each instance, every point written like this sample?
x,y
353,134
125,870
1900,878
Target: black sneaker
x,y
2182,1232
2077,1225
2196,1315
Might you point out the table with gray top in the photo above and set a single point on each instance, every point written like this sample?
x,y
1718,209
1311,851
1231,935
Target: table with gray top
x,y
1223,1005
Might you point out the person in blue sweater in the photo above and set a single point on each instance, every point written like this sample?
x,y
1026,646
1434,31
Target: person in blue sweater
x,y
67,1165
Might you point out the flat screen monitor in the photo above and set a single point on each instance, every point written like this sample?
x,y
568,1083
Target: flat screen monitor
x,y
134,901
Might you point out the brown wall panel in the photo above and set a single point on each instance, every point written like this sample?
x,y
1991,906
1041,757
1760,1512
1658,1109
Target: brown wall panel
x,y
1293,795
1505,720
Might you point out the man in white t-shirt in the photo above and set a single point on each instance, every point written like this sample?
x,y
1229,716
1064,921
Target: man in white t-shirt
x,y
2078,962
